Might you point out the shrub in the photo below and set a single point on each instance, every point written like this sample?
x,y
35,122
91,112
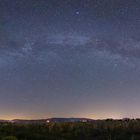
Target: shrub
x,y
9,138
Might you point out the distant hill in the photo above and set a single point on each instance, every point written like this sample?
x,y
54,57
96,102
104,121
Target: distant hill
x,y
68,120
3,121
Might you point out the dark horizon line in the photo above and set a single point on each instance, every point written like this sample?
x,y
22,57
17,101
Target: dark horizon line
x,y
125,118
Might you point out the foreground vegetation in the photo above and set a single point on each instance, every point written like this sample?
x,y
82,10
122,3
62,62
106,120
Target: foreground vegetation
x,y
97,130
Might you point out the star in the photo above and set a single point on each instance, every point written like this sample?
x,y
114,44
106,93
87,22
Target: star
x,y
77,12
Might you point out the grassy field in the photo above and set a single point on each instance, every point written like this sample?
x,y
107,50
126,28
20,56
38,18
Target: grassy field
x,y
97,130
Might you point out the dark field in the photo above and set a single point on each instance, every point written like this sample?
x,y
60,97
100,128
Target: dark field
x,y
96,130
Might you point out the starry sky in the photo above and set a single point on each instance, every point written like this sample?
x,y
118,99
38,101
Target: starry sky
x,y
69,58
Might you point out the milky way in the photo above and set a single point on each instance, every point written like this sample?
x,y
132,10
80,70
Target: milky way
x,y
69,58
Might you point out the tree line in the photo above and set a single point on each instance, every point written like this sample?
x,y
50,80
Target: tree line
x,y
96,130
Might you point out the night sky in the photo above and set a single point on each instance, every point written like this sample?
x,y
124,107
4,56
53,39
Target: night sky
x,y
69,58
